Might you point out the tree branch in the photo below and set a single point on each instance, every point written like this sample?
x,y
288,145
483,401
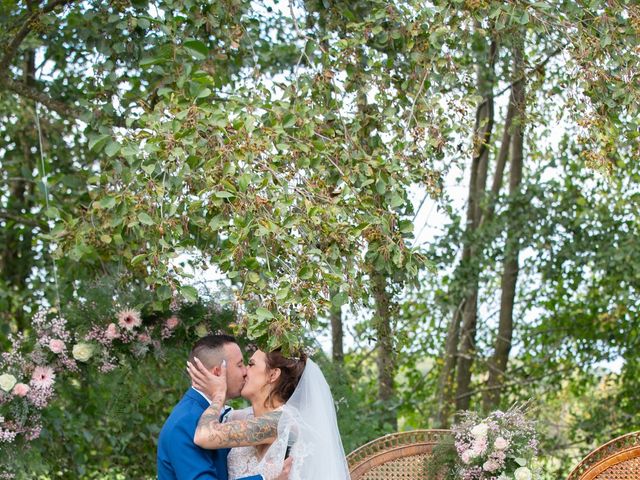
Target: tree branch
x,y
526,74
24,30
25,91
21,220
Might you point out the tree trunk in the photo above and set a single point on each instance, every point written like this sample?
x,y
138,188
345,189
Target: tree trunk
x,y
16,259
477,187
337,335
445,391
498,363
386,363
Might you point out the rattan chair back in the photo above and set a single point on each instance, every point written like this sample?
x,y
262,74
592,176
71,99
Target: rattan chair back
x,y
618,459
395,456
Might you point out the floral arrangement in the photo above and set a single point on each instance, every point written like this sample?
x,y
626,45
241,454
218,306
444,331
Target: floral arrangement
x,y
29,371
501,446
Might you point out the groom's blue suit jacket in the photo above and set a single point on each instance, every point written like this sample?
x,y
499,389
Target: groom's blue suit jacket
x,y
181,459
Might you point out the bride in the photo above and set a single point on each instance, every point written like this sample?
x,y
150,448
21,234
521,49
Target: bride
x,y
292,413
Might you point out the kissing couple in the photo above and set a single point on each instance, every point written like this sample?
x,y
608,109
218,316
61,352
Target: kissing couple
x,y
290,432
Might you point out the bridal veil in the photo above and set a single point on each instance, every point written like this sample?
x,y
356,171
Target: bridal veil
x,y
308,426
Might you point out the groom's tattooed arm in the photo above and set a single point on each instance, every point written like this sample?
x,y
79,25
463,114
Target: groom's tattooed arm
x,y
212,434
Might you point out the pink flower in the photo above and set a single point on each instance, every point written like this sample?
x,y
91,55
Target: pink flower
x,y
21,390
112,331
56,346
479,446
466,456
129,319
43,377
144,338
490,466
172,322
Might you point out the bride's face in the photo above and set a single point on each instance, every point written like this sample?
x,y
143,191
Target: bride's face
x,y
259,378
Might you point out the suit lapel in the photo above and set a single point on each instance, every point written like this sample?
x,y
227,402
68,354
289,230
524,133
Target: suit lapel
x,y
200,400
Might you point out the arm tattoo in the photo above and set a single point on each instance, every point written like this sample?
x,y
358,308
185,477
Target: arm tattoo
x,y
210,433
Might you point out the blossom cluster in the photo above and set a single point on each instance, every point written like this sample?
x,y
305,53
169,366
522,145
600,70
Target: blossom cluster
x,y
499,447
29,371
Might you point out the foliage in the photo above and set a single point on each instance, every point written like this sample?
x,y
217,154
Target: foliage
x,y
440,464
281,144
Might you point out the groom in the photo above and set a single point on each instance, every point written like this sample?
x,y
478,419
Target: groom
x,y
178,457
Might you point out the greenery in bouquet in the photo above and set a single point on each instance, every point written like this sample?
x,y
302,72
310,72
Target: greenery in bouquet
x,y
500,447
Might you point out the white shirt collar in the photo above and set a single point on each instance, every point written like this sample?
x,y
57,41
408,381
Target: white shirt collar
x,y
224,407
203,395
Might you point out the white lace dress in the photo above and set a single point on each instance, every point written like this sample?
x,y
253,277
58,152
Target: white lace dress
x,y
245,461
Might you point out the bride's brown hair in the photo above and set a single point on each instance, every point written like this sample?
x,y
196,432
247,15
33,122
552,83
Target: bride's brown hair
x,y
290,372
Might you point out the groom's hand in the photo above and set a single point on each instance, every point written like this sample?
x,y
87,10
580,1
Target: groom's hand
x,y
213,386
286,469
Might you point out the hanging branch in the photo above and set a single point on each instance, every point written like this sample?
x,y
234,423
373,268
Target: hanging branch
x,y
25,90
28,92
24,30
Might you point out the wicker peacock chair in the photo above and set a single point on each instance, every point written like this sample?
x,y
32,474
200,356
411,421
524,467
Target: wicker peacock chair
x,y
395,456
618,459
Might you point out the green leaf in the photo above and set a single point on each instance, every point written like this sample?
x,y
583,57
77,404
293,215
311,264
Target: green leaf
x,y
163,292
97,143
52,212
112,148
138,259
189,293
205,92
224,194
107,202
149,169
395,200
253,277
263,314
288,121
197,49
217,222
145,219
339,299
283,293
305,272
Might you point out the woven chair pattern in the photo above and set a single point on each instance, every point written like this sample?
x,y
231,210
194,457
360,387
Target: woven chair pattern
x,y
398,456
618,459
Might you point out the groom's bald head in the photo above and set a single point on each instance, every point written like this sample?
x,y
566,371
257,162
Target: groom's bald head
x,y
210,350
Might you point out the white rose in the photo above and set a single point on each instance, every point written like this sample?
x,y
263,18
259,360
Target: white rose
x,y
201,330
501,443
523,473
480,430
82,351
7,381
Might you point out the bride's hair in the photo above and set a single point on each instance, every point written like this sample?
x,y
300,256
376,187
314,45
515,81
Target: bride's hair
x,y
290,372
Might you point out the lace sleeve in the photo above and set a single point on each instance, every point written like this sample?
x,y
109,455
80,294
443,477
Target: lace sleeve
x,y
242,414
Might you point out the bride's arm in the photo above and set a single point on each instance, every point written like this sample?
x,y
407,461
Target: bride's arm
x,y
212,434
